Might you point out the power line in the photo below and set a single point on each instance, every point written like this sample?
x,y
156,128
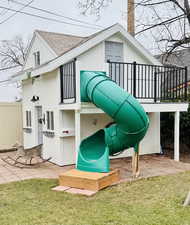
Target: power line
x,y
4,11
5,20
3,81
6,83
56,14
10,84
48,18
8,68
161,23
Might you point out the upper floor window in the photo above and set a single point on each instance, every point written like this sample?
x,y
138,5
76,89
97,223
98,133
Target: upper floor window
x,y
37,58
114,51
28,118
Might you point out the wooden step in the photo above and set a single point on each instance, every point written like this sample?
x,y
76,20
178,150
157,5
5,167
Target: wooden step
x,y
88,180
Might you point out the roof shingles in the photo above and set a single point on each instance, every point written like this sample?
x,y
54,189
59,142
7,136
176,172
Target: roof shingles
x,y
60,43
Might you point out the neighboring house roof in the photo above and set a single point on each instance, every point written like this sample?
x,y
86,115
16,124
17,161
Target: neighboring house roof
x,y
60,43
175,78
180,58
177,58
79,45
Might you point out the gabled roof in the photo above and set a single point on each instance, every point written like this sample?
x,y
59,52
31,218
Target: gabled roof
x,y
35,34
60,43
84,44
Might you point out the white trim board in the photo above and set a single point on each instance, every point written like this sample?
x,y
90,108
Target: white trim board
x,y
89,108
165,107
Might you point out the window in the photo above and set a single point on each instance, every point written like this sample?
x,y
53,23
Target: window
x,y
37,58
28,118
114,51
50,120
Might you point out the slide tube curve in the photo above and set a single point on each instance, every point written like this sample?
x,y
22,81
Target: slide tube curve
x,y
131,122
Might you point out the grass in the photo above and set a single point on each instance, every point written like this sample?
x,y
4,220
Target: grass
x,y
154,201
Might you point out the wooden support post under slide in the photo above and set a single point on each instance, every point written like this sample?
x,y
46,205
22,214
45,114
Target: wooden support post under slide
x,y
176,135
135,162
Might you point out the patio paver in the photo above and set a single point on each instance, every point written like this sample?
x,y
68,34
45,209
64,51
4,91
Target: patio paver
x,y
150,165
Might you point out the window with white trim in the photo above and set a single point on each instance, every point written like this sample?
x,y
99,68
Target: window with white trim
x,y
50,120
114,51
37,58
28,118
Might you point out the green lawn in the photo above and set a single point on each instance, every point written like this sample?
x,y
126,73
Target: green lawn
x,y
155,201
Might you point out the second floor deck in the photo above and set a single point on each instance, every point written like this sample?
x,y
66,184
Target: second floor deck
x,y
148,83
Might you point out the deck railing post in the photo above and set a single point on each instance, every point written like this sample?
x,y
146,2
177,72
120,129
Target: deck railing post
x,y
155,87
61,83
74,78
134,78
109,68
186,88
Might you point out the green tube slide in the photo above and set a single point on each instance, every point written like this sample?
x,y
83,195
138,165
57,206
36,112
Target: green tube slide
x,y
131,122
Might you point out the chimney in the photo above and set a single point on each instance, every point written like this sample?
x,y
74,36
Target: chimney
x,y
131,17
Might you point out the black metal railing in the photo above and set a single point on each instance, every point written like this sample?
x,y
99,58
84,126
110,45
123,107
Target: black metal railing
x,y
160,83
68,82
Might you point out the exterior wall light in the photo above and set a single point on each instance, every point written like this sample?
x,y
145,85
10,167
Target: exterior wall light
x,y
35,98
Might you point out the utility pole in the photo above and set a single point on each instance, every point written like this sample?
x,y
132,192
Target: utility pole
x,y
131,17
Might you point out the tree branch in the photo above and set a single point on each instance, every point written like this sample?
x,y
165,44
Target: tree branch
x,y
161,23
12,53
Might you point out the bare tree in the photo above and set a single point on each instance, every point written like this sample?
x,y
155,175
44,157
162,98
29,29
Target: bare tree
x,y
12,53
93,7
168,21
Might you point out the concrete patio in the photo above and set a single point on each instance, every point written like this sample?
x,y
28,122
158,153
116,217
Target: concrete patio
x,y
150,165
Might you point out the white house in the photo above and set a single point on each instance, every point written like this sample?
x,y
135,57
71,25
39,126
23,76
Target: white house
x,y
53,113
